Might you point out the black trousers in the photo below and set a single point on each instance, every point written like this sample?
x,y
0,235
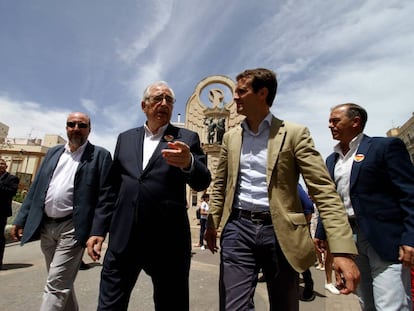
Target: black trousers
x,y
168,265
3,222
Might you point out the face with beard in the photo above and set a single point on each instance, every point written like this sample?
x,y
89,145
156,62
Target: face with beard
x,y
78,127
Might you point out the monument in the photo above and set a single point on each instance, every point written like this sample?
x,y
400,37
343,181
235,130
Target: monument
x,y
213,118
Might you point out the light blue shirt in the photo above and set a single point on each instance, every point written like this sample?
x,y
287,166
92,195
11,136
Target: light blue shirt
x,y
251,193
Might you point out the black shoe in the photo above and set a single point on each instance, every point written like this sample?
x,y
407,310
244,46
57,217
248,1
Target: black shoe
x,y
308,294
261,279
84,266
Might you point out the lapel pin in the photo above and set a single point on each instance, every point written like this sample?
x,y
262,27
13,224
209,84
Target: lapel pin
x,y
169,137
359,157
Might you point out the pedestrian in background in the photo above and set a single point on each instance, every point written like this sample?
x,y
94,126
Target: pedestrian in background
x,y
60,205
8,189
254,196
203,219
375,179
322,247
308,209
152,166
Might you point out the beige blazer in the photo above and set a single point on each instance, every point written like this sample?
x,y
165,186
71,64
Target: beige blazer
x,y
291,152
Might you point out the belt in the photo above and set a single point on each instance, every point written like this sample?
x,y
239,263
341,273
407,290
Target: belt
x,y
259,218
59,219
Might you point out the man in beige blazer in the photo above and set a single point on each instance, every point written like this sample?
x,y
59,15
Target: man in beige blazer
x,y
255,199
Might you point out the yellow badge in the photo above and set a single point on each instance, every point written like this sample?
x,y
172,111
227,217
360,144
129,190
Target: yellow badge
x,y
359,157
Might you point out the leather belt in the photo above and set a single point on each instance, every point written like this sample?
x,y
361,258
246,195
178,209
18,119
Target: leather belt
x,y
59,219
259,218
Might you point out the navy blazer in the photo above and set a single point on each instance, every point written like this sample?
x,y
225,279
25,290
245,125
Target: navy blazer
x,y
88,187
382,193
8,188
155,195
307,204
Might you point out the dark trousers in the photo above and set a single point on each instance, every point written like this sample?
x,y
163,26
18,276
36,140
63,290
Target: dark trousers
x,y
247,247
307,278
168,266
203,223
3,222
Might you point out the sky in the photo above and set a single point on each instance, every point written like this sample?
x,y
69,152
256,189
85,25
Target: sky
x,y
97,56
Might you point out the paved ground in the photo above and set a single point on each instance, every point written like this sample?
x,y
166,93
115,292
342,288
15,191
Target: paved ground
x,y
22,281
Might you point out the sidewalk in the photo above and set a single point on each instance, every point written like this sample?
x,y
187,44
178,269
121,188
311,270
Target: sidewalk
x,y
23,280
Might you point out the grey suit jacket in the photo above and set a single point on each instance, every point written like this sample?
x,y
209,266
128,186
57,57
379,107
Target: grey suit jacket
x,y
90,175
291,152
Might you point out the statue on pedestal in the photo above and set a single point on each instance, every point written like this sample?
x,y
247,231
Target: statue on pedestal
x,y
211,129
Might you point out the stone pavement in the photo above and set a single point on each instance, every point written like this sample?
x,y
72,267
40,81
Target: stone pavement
x,y
22,281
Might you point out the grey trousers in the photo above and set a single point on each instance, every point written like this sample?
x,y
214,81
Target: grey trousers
x,y
63,256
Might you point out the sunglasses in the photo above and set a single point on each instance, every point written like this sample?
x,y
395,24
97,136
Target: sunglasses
x,y
81,125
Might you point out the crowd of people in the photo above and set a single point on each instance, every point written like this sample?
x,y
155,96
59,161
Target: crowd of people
x,y
363,194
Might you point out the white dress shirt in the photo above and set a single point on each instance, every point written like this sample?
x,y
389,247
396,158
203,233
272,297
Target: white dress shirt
x,y
342,172
59,196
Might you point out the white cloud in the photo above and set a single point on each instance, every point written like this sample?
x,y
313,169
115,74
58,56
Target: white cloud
x,y
324,54
156,18
31,120
89,105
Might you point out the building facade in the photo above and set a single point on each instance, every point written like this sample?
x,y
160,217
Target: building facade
x,y
406,133
24,156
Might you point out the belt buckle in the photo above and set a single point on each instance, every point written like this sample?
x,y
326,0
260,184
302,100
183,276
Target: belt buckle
x,y
257,221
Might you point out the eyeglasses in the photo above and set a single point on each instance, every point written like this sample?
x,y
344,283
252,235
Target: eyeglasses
x,y
159,98
81,125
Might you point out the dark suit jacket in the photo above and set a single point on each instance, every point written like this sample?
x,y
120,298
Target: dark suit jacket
x,y
8,188
154,197
90,175
382,193
307,204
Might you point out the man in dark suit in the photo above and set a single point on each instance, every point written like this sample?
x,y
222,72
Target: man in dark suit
x,y
150,228
60,205
375,178
8,188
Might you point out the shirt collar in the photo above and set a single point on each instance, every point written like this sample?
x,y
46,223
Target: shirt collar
x,y
160,132
79,150
266,122
353,144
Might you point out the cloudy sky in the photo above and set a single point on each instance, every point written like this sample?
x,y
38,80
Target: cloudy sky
x,y
97,56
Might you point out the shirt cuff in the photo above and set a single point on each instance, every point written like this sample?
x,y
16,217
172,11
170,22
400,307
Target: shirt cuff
x,y
191,169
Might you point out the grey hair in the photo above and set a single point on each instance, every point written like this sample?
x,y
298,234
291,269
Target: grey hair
x,y
146,94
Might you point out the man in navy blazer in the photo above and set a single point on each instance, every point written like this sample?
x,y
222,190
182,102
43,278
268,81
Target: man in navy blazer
x,y
375,178
8,188
150,229
60,206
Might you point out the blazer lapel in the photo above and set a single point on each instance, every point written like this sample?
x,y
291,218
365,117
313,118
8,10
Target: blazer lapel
x,y
330,164
139,147
86,156
170,132
276,135
234,149
360,155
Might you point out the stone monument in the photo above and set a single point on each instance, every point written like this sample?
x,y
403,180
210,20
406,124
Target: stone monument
x,y
212,119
